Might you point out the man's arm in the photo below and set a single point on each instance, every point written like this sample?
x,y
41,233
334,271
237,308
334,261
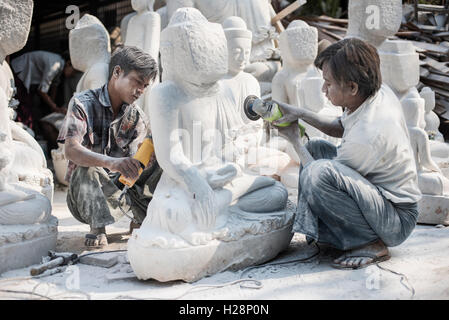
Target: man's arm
x,y
327,124
50,102
82,156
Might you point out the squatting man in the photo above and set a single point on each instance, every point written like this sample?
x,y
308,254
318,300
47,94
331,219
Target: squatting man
x,y
360,197
102,130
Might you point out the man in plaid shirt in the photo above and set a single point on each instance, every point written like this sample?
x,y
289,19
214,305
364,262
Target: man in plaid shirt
x,y
102,130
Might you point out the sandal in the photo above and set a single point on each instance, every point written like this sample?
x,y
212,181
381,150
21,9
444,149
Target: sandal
x,y
96,240
360,254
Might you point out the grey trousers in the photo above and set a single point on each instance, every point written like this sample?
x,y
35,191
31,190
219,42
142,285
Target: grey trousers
x,y
339,207
93,195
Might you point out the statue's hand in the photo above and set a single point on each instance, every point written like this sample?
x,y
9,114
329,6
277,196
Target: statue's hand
x,y
206,211
222,176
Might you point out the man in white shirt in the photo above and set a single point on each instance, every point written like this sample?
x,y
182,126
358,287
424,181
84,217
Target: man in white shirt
x,y
361,196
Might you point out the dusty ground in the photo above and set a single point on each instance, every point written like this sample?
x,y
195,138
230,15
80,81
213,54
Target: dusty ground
x,y
423,261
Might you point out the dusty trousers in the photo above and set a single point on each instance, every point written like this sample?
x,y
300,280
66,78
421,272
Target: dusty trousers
x,y
339,207
93,195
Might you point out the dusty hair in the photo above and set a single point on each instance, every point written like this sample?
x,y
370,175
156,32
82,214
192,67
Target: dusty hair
x,y
353,60
130,58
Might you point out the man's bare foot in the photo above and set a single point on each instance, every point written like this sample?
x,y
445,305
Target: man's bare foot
x,y
363,257
96,238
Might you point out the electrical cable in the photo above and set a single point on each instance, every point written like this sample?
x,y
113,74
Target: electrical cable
x,y
409,287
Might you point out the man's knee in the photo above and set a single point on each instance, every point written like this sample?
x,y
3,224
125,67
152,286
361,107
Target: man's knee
x,y
84,174
321,149
316,174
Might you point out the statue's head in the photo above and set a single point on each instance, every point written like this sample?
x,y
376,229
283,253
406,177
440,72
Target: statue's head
x,y
193,50
299,43
239,43
429,97
89,43
412,106
15,17
142,5
399,64
374,20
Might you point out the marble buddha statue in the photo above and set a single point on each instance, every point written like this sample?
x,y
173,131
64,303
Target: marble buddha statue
x,y
90,52
144,31
257,15
27,229
204,208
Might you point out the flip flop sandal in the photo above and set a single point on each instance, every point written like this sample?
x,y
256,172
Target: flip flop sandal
x,y
100,239
375,259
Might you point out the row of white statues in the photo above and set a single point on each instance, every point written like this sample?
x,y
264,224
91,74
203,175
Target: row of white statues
x,y
217,205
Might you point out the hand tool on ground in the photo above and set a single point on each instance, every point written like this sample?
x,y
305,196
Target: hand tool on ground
x,y
56,259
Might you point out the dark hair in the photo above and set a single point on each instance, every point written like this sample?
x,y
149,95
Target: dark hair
x,y
130,58
353,60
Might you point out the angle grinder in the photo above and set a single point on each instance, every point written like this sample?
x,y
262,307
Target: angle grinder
x,y
256,108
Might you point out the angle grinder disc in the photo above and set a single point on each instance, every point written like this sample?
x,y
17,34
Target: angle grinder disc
x,y
248,108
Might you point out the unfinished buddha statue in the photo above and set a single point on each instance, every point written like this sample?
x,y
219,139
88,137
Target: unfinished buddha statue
x,y
432,183
430,117
204,209
90,52
27,230
400,70
247,135
257,14
144,31
374,20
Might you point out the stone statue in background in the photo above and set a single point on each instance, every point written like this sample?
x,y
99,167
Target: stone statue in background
x,y
246,135
144,32
242,83
430,117
299,83
206,215
374,20
431,180
27,230
144,28
257,14
432,183
90,52
400,70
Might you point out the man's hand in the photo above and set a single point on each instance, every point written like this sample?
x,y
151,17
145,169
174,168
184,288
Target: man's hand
x,y
128,167
291,115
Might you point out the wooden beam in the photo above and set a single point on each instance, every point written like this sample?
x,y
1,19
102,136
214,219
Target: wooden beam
x,y
276,20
